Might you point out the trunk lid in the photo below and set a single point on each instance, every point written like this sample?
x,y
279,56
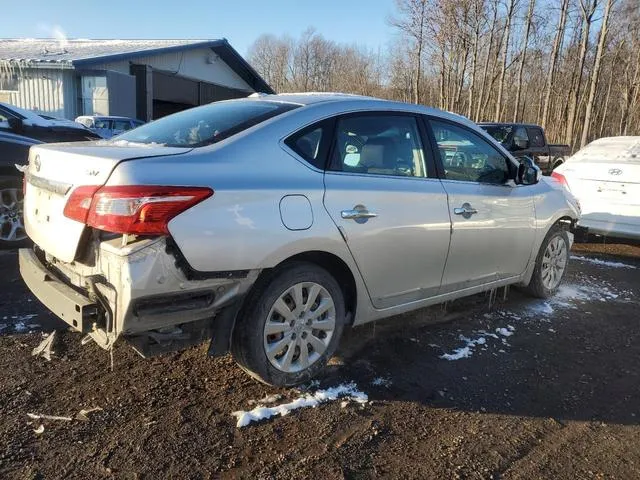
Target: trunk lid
x,y
605,177
55,171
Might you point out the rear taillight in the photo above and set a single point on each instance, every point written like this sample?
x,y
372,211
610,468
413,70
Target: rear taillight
x,y
132,209
560,179
79,202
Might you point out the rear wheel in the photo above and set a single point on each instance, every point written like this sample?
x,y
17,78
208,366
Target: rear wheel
x,y
551,264
12,232
290,326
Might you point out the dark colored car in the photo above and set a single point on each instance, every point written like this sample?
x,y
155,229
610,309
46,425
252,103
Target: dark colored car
x,y
41,127
526,140
14,150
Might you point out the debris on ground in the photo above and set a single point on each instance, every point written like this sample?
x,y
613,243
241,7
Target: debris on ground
x,y
38,416
45,349
349,390
39,430
82,414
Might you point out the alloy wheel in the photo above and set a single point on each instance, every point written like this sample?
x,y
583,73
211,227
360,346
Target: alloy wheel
x,y
299,327
11,211
554,262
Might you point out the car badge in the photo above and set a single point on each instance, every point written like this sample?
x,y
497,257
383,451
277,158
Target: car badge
x,y
615,171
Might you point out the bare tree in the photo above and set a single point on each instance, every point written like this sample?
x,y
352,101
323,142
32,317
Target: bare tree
x,y
503,71
602,38
411,22
523,59
557,47
587,9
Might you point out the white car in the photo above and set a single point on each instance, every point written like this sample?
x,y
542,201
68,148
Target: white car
x,y
605,177
108,126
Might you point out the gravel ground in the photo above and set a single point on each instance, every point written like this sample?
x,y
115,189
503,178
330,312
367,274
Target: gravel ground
x,y
546,390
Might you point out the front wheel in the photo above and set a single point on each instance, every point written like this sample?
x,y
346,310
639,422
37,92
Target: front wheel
x,y
551,264
290,326
12,232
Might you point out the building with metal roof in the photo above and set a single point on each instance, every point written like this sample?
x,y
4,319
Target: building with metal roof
x,y
142,79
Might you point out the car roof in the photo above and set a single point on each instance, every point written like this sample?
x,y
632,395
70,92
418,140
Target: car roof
x,y
354,101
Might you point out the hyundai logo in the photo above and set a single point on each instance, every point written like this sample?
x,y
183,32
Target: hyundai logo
x,y
37,163
615,171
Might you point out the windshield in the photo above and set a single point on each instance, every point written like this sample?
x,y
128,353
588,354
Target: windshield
x,y
206,124
499,132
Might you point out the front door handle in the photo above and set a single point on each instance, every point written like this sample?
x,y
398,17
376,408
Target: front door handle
x,y
466,210
359,212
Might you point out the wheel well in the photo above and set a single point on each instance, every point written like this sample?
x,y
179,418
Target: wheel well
x,y
338,269
566,222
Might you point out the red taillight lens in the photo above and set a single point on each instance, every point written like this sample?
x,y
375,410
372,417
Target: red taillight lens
x,y
79,203
560,178
136,209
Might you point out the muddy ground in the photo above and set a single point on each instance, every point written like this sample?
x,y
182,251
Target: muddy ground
x,y
552,391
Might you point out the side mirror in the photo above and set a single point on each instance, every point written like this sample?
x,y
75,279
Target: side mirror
x,y
528,172
16,124
521,143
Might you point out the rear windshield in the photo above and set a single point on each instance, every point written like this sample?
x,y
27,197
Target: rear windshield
x,y
500,133
205,125
608,150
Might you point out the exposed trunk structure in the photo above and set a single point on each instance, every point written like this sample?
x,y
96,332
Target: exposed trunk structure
x,y
596,72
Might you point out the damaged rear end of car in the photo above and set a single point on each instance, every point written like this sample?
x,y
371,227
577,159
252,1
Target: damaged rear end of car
x,y
103,259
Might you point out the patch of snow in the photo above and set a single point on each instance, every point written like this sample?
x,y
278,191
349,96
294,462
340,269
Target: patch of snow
x,y
312,400
466,351
602,263
381,382
266,400
505,332
126,143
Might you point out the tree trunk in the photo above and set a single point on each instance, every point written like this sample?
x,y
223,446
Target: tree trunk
x,y
555,52
503,70
588,10
516,110
486,63
595,73
474,62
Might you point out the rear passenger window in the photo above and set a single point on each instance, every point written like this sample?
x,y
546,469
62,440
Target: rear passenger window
x,y
535,137
379,145
308,143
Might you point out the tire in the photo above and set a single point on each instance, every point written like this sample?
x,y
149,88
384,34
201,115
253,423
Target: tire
x,y
12,232
557,162
271,307
550,267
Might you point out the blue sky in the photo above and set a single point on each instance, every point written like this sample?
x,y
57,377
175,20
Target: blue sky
x,y
362,22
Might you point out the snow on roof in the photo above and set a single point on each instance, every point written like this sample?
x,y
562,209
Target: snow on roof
x,y
50,50
610,149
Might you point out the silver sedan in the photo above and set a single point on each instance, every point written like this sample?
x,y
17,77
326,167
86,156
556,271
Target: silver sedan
x,y
269,224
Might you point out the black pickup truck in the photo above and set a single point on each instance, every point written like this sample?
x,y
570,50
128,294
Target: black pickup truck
x,y
526,140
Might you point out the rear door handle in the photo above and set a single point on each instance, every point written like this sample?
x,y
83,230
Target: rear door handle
x,y
466,210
